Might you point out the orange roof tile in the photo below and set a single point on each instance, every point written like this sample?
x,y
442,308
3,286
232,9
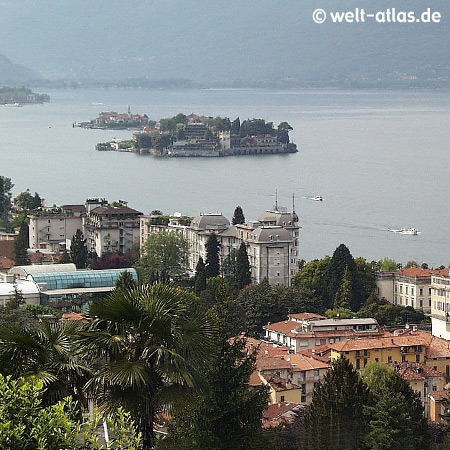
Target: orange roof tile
x,y
440,396
278,383
276,410
273,363
415,371
300,362
286,328
255,379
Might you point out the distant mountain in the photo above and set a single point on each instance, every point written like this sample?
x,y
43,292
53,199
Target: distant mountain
x,y
233,41
12,74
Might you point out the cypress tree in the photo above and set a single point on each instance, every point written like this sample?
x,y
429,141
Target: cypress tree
x,y
200,277
335,419
78,250
238,216
125,281
235,126
228,415
340,261
396,415
344,295
21,246
212,268
243,273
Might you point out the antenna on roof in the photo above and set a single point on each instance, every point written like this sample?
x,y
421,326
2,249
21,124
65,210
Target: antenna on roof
x,y
276,199
293,203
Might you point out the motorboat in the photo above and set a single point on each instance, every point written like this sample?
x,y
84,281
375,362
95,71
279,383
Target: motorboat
x,y
412,231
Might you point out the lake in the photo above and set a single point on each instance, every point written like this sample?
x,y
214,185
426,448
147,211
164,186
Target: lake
x,y
380,159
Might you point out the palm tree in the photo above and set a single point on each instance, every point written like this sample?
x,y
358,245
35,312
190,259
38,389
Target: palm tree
x,y
149,345
46,351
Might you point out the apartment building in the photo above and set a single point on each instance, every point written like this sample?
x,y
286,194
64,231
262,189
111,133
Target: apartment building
x,y
272,241
408,287
440,304
53,227
304,331
110,229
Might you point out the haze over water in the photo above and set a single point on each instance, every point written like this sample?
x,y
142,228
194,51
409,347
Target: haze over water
x,y
380,159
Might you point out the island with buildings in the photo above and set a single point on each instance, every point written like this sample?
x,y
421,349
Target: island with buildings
x,y
16,96
195,136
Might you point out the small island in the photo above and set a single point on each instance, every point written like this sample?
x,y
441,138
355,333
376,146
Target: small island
x,y
201,136
17,96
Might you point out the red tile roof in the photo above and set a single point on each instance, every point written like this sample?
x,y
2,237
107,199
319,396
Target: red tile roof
x,y
300,362
255,379
415,371
426,273
6,263
321,353
440,396
272,363
278,383
276,410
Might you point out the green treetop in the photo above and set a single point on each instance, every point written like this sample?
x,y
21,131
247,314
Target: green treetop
x,y
78,250
21,245
238,216
212,257
164,257
243,272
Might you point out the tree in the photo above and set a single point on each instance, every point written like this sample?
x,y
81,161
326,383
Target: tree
x,y
200,277
164,256
396,416
78,250
235,127
238,216
212,268
149,346
5,199
313,276
21,246
65,257
283,132
125,281
229,267
243,272
389,314
27,201
229,414
27,424
340,313
343,296
46,351
388,265
410,264
336,418
111,261
340,261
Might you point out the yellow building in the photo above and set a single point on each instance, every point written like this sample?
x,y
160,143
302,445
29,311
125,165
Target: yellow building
x,y
386,350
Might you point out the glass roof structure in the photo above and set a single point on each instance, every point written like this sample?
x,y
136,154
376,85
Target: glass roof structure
x,y
81,278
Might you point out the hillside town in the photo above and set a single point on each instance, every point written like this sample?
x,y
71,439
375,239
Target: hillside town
x,y
295,323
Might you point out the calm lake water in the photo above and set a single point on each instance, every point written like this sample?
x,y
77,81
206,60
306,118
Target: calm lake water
x,y
380,159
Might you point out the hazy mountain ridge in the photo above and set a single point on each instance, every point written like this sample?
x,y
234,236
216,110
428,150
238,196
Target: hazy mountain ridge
x,y
215,42
15,73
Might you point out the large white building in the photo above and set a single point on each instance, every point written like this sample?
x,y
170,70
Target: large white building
x,y
55,226
110,229
272,241
440,304
408,287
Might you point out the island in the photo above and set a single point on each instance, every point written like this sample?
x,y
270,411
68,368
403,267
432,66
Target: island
x,y
112,120
14,96
202,136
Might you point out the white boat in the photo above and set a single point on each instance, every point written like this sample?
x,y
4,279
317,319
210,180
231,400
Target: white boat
x,y
317,198
97,104
412,231
13,104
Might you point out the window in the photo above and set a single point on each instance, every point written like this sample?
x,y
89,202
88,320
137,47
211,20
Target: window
x,y
389,359
358,361
434,388
303,388
421,291
377,360
282,398
403,358
417,358
303,399
365,362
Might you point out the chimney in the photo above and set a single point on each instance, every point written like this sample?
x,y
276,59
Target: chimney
x,y
414,328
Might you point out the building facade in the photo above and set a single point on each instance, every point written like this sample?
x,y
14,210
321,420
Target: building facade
x,y
409,287
272,241
440,304
55,226
110,229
